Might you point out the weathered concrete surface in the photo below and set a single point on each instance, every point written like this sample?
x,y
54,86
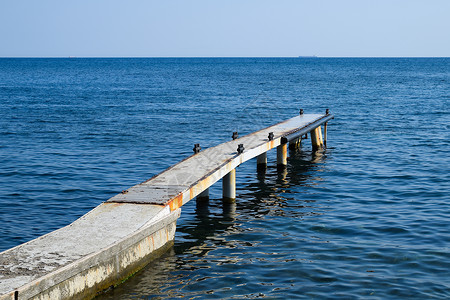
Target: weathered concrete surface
x,y
185,180
120,236
98,250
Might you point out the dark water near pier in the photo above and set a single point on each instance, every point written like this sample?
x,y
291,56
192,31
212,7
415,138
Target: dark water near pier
x,y
367,218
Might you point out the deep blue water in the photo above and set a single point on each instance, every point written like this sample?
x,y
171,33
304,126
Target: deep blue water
x,y
367,218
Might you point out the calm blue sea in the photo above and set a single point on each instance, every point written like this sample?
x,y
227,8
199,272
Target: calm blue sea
x,y
369,218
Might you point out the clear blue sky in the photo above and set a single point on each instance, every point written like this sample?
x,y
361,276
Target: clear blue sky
x,y
224,28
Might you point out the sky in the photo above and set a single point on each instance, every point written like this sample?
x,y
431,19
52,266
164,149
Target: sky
x,y
231,28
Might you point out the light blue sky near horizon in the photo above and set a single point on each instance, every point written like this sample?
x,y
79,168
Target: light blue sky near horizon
x,y
205,28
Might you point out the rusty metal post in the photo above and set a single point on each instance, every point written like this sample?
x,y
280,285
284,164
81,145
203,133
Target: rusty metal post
x,y
229,186
316,138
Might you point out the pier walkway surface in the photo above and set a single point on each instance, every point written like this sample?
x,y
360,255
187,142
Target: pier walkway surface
x,y
121,235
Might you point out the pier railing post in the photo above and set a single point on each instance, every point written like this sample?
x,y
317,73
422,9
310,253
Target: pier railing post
x,y
316,138
282,155
229,186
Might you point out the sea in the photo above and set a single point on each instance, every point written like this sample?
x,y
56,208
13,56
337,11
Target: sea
x,y
366,218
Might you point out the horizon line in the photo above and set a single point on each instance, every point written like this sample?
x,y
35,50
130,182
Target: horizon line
x,y
301,56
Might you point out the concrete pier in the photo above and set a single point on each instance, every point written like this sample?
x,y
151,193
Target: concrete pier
x,y
102,248
120,236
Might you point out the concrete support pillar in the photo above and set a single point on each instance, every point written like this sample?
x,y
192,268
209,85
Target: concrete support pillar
x,y
229,186
282,155
325,134
203,196
316,139
295,144
261,162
